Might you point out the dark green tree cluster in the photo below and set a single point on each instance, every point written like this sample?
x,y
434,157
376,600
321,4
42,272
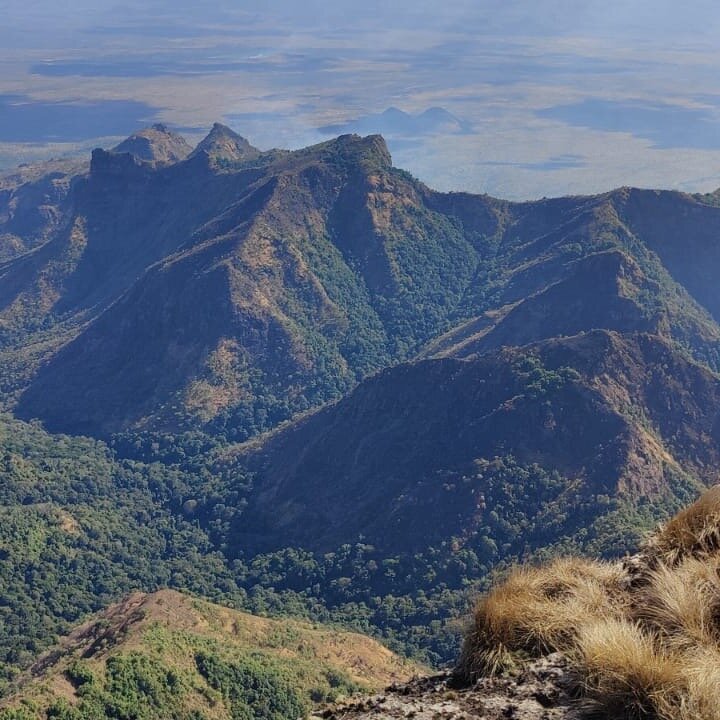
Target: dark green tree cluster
x,y
81,528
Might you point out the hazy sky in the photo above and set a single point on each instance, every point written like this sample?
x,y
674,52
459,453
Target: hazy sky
x,y
544,98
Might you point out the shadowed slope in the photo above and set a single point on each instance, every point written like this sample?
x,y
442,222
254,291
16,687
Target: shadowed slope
x,y
282,303
399,462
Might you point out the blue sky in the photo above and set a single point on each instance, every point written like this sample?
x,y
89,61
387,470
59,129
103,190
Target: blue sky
x,y
548,97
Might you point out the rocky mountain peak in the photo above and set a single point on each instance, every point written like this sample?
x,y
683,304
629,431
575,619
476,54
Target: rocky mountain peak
x,y
156,144
370,151
375,148
224,144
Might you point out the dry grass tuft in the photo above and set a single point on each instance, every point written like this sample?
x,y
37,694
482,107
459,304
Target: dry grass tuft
x,y
644,636
625,674
682,604
537,611
702,676
693,532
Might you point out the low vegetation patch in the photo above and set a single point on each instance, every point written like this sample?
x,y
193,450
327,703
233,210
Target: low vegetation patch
x,y
167,655
643,634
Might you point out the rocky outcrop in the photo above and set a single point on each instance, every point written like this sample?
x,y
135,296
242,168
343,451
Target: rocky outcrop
x,y
156,144
222,145
542,691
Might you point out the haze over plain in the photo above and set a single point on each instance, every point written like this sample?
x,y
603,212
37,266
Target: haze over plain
x,y
539,99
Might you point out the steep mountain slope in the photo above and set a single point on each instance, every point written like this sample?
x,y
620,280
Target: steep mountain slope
x,y
263,309
577,264
685,239
416,456
170,655
410,492
512,380
229,289
562,308
35,202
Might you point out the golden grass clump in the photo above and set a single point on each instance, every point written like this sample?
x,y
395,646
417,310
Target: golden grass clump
x,y
537,610
625,674
643,636
702,677
694,531
682,603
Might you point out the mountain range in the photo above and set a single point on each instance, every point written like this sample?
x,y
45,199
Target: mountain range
x,y
230,289
315,385
393,121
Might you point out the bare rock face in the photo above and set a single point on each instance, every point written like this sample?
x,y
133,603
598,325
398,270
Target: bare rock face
x,y
540,692
35,203
223,145
155,144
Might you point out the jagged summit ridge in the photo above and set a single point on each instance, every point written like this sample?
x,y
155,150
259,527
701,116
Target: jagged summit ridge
x,y
158,146
323,264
